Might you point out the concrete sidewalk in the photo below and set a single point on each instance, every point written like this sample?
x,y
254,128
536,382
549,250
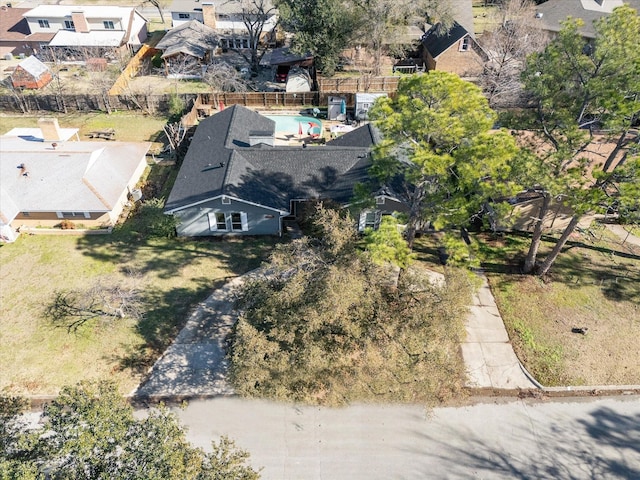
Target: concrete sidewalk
x,y
196,365
623,234
487,352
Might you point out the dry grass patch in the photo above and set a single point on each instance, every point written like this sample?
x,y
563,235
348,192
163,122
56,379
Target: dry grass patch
x,y
595,285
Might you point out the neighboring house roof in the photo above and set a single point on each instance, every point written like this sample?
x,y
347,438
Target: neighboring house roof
x,y
75,176
35,134
33,66
192,38
222,8
284,56
95,38
90,11
437,41
221,162
552,13
13,26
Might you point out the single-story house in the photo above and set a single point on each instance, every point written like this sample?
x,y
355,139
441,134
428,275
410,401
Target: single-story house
x,y
47,176
454,50
234,180
187,49
31,73
79,31
552,13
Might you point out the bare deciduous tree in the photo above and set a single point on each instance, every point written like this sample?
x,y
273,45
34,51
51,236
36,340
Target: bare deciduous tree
x,y
255,15
517,36
158,5
223,77
175,133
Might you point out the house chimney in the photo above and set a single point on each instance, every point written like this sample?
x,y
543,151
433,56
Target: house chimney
x,y
80,22
209,15
50,129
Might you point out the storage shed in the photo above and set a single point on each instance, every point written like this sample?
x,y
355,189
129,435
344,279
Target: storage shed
x,y
31,73
336,108
364,101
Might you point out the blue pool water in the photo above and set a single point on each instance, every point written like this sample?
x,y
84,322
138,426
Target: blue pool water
x,y
291,123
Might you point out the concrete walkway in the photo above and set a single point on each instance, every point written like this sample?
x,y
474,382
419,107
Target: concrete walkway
x,y
487,352
195,364
623,234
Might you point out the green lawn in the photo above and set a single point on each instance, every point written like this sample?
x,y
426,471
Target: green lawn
x,y
37,358
595,283
129,126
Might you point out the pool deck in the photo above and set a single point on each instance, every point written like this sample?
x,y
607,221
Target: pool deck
x,y
295,140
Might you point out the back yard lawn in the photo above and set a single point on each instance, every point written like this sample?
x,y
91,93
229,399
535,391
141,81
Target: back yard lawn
x,y
172,274
595,285
129,126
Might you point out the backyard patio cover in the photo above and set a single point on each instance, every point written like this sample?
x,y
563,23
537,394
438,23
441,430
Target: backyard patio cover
x,y
283,56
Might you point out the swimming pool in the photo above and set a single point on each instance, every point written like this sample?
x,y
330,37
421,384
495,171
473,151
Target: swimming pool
x,y
293,123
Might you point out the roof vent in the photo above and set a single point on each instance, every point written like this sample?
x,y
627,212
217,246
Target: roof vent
x,y
261,137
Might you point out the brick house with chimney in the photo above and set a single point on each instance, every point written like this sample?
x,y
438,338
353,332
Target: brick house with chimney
x,y
47,175
227,19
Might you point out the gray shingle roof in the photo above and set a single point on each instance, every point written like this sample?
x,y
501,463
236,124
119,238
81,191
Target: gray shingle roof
x,y
553,12
437,42
193,38
220,161
33,66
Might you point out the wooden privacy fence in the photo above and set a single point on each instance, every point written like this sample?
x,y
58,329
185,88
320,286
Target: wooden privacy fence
x,y
132,69
260,99
346,87
89,103
358,84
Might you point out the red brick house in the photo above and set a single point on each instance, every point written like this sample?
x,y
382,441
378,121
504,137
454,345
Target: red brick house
x,y
454,50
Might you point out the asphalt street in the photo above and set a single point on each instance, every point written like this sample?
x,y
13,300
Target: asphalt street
x,y
522,439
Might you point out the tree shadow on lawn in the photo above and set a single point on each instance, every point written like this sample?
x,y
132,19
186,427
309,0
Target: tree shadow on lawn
x,y
165,256
166,312
165,316
605,444
579,264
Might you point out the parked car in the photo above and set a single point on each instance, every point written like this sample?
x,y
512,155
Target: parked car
x,y
281,73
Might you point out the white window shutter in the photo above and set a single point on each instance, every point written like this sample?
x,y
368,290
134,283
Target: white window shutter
x,y
213,224
243,219
378,219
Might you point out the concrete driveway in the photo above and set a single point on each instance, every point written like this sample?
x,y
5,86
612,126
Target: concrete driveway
x,y
195,364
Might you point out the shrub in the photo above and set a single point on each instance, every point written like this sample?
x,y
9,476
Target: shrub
x,y
67,224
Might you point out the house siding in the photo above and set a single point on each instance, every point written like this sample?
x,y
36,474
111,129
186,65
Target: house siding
x,y
194,221
51,219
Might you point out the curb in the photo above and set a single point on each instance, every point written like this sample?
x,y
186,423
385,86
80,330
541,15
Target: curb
x,y
557,392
